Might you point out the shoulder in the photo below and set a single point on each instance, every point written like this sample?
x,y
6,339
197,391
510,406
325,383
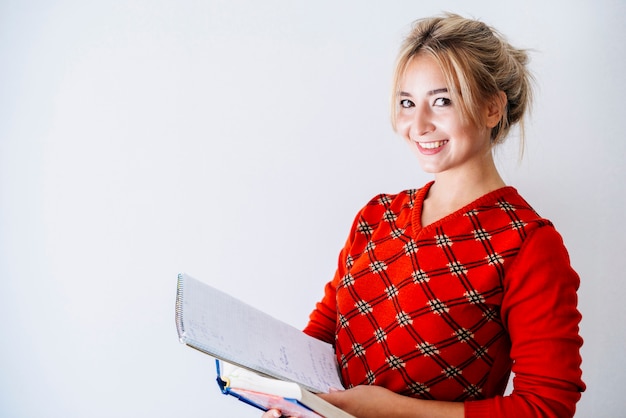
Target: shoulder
x,y
387,207
398,202
403,199
507,208
545,244
383,210
542,247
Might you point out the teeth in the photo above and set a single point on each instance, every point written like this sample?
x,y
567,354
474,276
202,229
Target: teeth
x,y
432,145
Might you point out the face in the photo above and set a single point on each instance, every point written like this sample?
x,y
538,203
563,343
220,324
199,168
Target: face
x,y
432,125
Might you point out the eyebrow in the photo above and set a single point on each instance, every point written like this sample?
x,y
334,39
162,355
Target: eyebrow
x,y
437,91
428,93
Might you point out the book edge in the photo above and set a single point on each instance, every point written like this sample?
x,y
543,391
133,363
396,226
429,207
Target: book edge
x,y
305,398
321,406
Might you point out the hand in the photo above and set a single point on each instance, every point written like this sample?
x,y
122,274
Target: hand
x,y
364,401
361,401
375,401
272,413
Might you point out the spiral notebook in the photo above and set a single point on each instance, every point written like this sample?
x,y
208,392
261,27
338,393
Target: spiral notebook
x,y
228,329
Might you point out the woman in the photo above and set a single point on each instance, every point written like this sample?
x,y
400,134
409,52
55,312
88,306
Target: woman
x,y
442,291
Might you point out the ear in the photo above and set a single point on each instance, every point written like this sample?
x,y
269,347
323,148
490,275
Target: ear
x,y
495,109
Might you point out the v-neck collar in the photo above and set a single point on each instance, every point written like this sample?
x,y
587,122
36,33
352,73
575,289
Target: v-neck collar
x,y
418,206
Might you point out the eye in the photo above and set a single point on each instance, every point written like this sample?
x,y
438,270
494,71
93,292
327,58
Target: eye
x,y
406,103
442,102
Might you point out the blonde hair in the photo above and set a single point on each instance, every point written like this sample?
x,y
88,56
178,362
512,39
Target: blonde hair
x,y
477,63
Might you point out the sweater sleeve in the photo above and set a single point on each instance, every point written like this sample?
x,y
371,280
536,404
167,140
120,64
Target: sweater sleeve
x,y
539,309
323,320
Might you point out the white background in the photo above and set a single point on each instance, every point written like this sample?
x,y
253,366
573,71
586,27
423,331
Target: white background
x,y
235,140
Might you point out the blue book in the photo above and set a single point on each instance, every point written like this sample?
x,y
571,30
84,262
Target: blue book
x,y
267,393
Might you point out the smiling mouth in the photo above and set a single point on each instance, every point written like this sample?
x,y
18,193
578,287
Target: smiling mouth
x,y
433,144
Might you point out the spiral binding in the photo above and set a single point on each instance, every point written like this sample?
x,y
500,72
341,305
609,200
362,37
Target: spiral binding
x,y
179,309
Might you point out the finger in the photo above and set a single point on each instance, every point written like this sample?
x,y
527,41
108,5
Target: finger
x,y
272,413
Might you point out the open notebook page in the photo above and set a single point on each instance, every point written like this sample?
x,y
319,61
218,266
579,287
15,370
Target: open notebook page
x,y
225,327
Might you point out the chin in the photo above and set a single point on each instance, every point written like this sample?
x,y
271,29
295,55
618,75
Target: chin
x,y
429,169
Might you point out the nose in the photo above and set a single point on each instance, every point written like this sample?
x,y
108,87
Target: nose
x,y
423,120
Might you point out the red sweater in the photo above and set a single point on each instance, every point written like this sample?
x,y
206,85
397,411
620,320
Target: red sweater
x,y
447,311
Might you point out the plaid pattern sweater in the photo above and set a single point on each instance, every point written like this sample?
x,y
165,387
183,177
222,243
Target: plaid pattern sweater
x,y
446,311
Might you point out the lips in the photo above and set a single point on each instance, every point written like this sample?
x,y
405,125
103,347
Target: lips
x,y
432,145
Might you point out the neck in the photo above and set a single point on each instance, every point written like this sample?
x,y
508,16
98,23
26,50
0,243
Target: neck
x,y
455,189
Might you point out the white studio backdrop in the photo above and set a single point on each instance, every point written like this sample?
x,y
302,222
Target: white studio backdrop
x,y
234,141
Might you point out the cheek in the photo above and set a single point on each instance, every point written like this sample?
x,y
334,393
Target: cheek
x,y
403,125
